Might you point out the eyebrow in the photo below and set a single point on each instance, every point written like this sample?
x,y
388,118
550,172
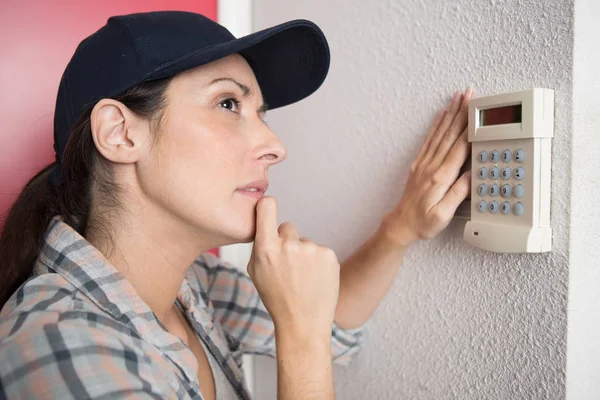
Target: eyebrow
x,y
245,91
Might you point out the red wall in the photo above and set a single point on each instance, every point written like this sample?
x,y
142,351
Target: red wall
x,y
37,39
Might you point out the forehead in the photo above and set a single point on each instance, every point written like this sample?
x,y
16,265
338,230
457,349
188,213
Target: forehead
x,y
234,67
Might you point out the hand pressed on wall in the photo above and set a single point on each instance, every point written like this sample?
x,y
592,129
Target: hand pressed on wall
x,y
434,189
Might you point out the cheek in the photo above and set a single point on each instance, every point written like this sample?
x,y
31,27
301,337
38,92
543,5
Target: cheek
x,y
194,171
197,163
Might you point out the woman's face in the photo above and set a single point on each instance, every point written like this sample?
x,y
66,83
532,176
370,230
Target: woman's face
x,y
209,166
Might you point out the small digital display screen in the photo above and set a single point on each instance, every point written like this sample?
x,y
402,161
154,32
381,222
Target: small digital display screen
x,y
500,115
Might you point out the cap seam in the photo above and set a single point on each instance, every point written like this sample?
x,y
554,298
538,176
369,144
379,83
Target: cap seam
x,y
135,43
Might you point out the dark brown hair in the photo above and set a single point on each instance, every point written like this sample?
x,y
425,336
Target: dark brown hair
x,y
85,176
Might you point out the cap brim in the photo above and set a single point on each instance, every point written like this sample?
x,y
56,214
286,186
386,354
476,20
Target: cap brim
x,y
290,60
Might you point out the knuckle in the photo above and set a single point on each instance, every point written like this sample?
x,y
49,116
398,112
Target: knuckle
x,y
438,177
424,236
437,217
329,254
290,246
287,228
286,225
309,247
413,167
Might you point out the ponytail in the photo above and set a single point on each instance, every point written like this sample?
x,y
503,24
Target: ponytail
x,y
85,177
23,230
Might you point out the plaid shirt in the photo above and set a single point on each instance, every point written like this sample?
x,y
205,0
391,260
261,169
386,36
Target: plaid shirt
x,y
77,329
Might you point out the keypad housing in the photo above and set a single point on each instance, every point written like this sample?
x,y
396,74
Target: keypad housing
x,y
522,123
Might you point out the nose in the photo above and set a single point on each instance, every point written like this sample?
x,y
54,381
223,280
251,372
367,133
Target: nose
x,y
271,151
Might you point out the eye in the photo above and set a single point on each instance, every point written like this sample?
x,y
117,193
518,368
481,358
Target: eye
x,y
230,104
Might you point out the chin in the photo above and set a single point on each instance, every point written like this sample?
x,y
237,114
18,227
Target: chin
x,y
239,234
233,225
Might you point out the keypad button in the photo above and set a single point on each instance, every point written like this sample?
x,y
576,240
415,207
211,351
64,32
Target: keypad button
x,y
519,191
495,156
506,208
506,173
494,190
506,191
519,173
483,156
494,207
483,189
519,209
494,173
482,206
507,155
520,155
483,172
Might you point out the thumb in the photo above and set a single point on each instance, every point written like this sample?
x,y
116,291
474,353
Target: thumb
x,y
266,220
456,194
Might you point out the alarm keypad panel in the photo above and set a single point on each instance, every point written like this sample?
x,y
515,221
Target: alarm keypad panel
x,y
507,187
511,150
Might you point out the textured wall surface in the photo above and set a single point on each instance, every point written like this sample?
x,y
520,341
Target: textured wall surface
x,y
583,356
458,323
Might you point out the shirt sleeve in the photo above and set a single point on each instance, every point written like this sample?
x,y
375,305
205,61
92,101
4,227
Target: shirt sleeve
x,y
71,360
243,316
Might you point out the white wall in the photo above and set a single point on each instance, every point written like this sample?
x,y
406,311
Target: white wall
x,y
458,323
583,356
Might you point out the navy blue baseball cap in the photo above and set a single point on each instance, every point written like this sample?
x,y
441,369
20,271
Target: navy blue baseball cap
x,y
290,61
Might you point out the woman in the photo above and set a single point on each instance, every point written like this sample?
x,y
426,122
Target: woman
x,y
162,153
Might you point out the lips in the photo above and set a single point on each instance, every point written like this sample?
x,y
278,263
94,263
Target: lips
x,y
254,189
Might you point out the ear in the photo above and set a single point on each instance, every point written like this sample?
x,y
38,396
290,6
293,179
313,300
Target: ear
x,y
119,134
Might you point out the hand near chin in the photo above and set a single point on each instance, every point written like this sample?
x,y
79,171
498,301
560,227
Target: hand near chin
x,y
298,281
434,189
